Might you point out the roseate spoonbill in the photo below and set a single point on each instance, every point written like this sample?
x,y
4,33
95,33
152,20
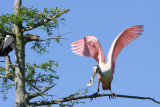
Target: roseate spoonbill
x,y
8,44
90,46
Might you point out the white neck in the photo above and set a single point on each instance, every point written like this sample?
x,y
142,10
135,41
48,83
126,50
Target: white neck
x,y
8,36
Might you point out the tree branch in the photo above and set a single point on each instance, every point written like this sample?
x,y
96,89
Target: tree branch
x,y
71,98
33,95
2,76
45,21
6,33
54,38
2,61
7,64
9,75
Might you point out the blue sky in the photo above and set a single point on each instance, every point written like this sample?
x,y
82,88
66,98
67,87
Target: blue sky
x,y
137,67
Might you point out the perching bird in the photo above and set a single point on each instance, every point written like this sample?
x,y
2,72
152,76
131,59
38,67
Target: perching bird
x,y
8,44
89,46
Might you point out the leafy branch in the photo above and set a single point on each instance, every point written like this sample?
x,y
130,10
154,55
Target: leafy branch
x,y
35,80
45,18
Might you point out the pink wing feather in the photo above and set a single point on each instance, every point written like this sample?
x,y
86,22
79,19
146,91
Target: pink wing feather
x,y
89,46
123,39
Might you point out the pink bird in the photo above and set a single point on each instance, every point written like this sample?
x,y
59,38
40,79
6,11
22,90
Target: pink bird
x,y
90,46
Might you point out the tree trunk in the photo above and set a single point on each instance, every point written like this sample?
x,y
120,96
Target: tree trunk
x,y
19,61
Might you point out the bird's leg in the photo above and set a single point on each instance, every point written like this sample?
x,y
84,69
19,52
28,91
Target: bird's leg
x,y
90,82
113,95
98,88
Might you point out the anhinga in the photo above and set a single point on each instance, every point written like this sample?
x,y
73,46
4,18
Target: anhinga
x,y
8,44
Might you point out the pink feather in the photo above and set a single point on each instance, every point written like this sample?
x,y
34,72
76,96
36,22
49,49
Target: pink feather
x,y
89,46
123,39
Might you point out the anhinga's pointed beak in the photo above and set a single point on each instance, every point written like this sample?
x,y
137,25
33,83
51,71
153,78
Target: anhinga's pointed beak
x,y
40,39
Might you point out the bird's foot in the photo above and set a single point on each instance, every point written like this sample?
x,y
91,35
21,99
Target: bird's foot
x,y
95,93
113,96
94,96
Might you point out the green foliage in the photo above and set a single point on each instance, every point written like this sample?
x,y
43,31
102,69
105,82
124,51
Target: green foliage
x,y
6,22
5,84
36,76
31,17
40,48
36,79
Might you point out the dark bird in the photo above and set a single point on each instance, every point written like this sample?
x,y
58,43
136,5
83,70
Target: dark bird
x,y
8,44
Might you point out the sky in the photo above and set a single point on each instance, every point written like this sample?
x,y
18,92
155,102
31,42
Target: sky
x,y
137,66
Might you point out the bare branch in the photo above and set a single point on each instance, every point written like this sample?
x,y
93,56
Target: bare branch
x,y
70,98
2,76
33,95
34,86
57,37
2,61
7,77
54,38
7,64
44,21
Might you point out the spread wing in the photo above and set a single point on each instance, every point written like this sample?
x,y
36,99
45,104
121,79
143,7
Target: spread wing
x,y
123,39
89,46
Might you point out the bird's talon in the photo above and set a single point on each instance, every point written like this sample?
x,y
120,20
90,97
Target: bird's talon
x,y
91,99
109,97
113,96
95,93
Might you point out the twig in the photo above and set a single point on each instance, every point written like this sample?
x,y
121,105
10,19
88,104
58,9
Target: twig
x,y
7,77
66,99
2,76
2,61
33,86
53,38
33,95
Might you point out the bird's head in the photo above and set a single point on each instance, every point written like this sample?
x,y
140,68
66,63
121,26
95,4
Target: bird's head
x,y
30,37
96,69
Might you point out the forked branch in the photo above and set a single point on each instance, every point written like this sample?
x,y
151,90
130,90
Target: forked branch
x,y
71,98
45,89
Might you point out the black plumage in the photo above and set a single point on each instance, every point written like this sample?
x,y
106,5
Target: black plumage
x,y
8,44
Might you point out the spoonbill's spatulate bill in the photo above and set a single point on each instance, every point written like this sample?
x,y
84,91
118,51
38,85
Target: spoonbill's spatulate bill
x,y
90,46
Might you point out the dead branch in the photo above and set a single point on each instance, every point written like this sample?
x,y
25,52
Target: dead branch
x,y
71,98
9,75
7,64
